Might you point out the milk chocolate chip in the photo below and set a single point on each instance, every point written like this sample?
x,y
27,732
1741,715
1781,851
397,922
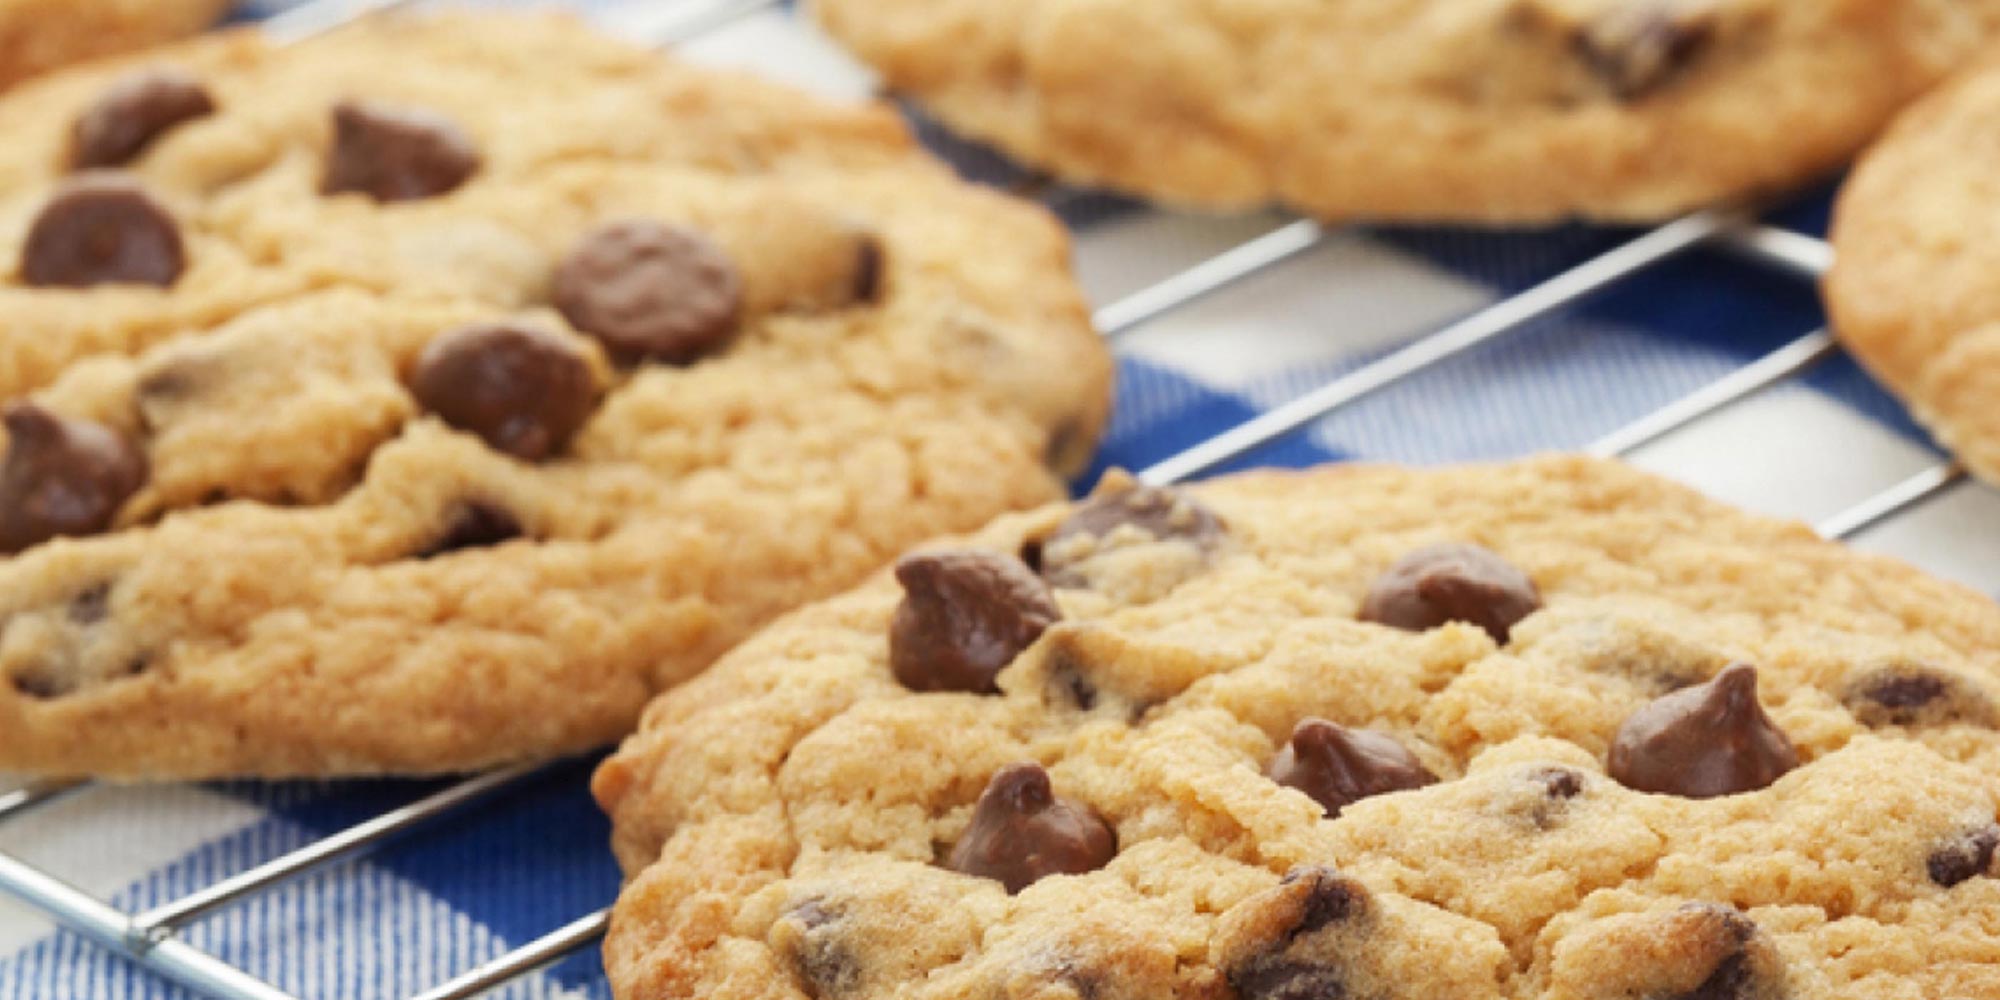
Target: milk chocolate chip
x,y
965,616
1338,766
396,154
522,389
651,292
62,477
1141,514
1709,740
102,229
136,110
1022,831
1452,582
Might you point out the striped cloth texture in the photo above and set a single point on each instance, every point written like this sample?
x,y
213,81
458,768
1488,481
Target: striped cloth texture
x,y
533,858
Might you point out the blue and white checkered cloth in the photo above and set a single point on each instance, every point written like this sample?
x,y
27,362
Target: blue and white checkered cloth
x,y
444,900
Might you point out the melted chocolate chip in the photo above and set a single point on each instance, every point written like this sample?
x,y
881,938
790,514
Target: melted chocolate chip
x,y
522,389
91,604
1916,695
396,154
965,616
651,292
1022,831
1709,740
41,685
1964,856
821,959
1284,979
474,525
868,269
1558,783
1452,583
103,229
1338,766
1141,513
1722,929
1329,898
62,477
1639,48
135,111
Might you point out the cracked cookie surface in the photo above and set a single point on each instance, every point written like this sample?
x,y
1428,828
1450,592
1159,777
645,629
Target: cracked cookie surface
x,y
1460,110
459,427
801,822
1912,288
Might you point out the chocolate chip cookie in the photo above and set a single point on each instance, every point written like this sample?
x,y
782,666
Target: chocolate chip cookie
x,y
1461,110
369,425
1913,290
37,36
1552,729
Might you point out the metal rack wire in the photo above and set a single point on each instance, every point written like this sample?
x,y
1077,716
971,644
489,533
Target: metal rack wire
x,y
152,939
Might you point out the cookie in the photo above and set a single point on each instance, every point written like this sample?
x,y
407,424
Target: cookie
x,y
464,429
1495,111
1912,289
37,36
1552,729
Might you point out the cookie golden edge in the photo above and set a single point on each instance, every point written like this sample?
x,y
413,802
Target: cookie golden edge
x,y
1193,118
1912,291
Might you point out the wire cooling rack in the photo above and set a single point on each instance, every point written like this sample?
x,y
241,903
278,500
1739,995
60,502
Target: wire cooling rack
x,y
153,939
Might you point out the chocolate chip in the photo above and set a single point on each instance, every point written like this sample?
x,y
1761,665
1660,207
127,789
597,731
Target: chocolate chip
x,y
1637,49
1022,831
1916,695
1559,783
821,959
1736,975
103,229
1329,897
396,154
965,616
651,292
62,477
1284,979
41,685
1452,582
522,389
136,110
868,269
1140,514
91,604
1964,856
1708,740
474,525
1338,766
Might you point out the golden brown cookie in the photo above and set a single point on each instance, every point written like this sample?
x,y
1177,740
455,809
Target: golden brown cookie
x,y
370,424
1548,730
1913,290
37,36
1463,110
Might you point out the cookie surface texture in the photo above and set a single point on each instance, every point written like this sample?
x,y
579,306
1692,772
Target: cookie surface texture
x,y
1209,776
347,441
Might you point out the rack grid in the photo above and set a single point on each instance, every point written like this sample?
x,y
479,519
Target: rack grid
x,y
151,939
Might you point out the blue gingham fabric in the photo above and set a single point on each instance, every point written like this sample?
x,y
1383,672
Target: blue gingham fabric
x,y
502,873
